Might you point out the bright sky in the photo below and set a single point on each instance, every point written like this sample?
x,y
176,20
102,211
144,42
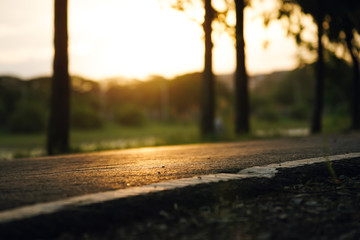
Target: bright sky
x,y
130,38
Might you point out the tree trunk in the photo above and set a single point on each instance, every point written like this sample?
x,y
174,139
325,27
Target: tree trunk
x,y
316,125
208,89
355,97
58,132
241,78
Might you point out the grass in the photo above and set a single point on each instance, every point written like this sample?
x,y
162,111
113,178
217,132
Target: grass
x,y
329,164
112,136
334,124
291,127
151,134
280,128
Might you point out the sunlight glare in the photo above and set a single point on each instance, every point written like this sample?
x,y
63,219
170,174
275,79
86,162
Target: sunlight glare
x,y
132,39
136,41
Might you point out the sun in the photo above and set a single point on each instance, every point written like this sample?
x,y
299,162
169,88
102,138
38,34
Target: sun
x,y
137,41
131,38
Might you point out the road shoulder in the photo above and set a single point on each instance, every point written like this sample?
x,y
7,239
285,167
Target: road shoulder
x,y
167,208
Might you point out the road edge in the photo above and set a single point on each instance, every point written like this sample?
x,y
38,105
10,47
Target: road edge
x,y
266,171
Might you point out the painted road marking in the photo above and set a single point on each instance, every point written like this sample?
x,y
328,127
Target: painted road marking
x,y
267,171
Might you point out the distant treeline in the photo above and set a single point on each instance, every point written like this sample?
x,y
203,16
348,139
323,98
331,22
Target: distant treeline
x,y
24,105
291,94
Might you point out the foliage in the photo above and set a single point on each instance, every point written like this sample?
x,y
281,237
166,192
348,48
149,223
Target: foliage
x,y
338,23
28,117
85,92
84,117
340,19
185,96
222,11
147,94
283,95
129,115
290,95
23,104
179,97
10,92
337,85
86,104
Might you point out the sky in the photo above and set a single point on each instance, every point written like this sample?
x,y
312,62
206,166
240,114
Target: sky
x,y
130,38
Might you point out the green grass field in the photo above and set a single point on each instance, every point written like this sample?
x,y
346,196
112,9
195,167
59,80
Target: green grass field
x,y
112,136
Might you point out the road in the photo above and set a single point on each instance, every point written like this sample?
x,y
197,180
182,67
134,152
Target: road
x,y
28,181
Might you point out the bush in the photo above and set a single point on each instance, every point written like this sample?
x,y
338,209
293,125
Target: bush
x,y
129,116
268,113
84,117
300,112
27,118
3,114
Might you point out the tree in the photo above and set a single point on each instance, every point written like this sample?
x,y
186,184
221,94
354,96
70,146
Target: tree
x,y
208,86
241,79
58,132
318,14
344,23
354,53
316,9
207,119
242,111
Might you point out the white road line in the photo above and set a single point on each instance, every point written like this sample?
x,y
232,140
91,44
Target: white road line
x,y
267,171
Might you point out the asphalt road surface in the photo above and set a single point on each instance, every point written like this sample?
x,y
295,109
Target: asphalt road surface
x,y
28,181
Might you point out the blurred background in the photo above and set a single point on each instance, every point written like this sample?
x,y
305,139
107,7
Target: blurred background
x,y
136,73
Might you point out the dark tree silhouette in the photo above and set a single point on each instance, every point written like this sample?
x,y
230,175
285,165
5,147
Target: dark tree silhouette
x,y
241,78
355,112
316,9
58,132
342,18
208,91
318,14
207,119
344,21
